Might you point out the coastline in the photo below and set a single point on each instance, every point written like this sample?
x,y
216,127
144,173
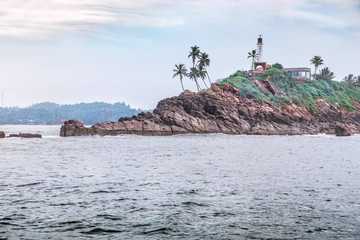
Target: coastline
x,y
224,110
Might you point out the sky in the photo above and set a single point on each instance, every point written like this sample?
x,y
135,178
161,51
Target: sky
x,y
72,51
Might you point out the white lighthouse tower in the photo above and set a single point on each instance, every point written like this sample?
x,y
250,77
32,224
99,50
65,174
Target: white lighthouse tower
x,y
260,48
259,65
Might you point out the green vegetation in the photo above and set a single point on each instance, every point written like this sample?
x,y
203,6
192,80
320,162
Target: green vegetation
x,y
325,74
291,91
352,80
278,66
52,113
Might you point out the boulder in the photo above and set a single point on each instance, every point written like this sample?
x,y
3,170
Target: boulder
x,y
74,128
2,134
341,131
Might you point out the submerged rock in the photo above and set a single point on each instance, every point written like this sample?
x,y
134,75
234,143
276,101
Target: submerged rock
x,y
223,110
25,135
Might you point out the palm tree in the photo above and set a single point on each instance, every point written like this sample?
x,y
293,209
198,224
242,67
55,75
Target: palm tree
x,y
202,73
180,71
254,56
205,62
349,79
325,74
357,81
316,61
193,74
194,53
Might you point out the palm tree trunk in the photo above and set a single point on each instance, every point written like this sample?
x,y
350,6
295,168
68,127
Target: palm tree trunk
x,y
197,85
205,83
207,76
182,85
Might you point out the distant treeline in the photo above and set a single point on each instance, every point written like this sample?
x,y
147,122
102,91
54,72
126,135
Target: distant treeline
x,y
52,113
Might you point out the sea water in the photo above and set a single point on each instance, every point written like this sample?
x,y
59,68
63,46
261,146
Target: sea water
x,y
178,187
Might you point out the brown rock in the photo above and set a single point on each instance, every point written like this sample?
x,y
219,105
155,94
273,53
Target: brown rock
x,y
341,131
2,134
108,128
25,135
74,128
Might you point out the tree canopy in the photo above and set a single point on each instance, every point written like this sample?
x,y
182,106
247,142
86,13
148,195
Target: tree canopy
x,y
316,61
254,56
52,113
181,71
325,74
194,54
197,71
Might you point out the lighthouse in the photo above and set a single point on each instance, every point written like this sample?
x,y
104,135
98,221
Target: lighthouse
x,y
260,48
259,51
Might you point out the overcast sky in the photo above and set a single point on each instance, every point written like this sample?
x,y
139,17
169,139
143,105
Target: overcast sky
x,y
72,51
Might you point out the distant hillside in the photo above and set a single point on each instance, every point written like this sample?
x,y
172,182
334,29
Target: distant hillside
x,y
52,113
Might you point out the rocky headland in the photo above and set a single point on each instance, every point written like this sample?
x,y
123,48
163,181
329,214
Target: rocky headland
x,y
224,110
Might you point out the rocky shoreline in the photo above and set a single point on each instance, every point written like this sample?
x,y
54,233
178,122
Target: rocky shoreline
x,y
224,110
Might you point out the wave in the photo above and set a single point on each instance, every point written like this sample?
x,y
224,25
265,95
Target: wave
x,y
102,230
29,184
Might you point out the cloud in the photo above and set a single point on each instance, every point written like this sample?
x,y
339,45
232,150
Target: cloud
x,y
39,19
330,14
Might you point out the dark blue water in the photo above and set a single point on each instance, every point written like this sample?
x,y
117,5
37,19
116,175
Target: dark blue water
x,y
179,187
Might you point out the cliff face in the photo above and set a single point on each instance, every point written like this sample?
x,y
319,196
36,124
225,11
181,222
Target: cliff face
x,y
224,111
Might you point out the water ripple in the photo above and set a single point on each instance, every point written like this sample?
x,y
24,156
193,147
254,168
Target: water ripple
x,y
180,187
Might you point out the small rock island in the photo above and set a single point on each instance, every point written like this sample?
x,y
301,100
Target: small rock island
x,y
273,104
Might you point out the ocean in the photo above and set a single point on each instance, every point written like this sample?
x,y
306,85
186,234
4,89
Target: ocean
x,y
212,186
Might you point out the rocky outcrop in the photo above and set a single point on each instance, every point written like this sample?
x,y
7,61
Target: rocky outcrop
x,y
341,131
74,128
20,135
25,135
224,110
